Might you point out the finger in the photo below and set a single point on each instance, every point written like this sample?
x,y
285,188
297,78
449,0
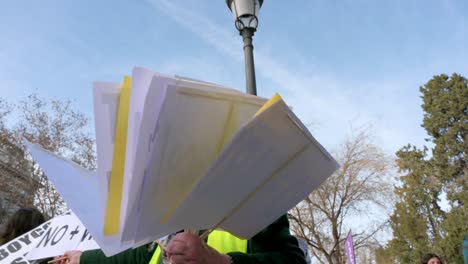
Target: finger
x,y
185,236
189,239
177,248
178,259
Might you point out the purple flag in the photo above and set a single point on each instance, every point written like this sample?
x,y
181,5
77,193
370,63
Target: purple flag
x,y
349,248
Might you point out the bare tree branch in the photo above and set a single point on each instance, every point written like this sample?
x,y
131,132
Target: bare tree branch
x,y
323,218
57,127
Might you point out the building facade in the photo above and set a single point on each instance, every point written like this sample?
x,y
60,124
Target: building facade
x,y
17,185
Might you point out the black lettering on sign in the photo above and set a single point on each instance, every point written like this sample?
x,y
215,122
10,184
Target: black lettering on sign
x,y
85,234
55,240
37,232
25,239
14,246
73,233
19,261
3,254
47,237
46,225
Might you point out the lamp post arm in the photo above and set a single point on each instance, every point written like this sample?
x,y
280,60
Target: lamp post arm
x,y
247,34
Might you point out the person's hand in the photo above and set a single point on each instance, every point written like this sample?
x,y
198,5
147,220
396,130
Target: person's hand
x,y
73,257
189,248
60,260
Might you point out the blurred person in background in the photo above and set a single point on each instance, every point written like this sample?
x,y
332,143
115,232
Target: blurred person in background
x,y
22,221
430,258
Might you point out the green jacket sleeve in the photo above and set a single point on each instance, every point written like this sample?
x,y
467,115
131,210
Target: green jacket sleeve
x,y
273,245
140,255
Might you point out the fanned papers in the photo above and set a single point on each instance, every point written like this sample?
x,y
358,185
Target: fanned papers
x,y
262,173
198,156
192,114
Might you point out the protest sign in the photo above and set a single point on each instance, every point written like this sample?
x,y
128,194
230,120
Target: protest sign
x,y
64,233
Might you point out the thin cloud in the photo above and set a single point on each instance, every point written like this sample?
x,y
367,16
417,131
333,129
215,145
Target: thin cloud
x,y
226,41
213,34
315,96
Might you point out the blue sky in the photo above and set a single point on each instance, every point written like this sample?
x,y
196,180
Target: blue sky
x,y
339,64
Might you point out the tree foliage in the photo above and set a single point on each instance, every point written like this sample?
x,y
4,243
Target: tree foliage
x,y
419,224
360,186
59,128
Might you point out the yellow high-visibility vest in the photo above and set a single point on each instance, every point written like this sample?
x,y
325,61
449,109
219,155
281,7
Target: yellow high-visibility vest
x,y
222,241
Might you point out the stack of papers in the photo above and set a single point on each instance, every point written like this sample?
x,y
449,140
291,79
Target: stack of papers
x,y
176,153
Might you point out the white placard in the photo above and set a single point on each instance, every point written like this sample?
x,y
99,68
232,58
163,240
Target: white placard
x,y
52,238
65,233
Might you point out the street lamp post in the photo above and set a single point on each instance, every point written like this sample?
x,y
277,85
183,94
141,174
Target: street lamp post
x,y
246,20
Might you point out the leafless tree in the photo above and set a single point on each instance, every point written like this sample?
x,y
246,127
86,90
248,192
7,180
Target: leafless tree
x,y
355,193
59,128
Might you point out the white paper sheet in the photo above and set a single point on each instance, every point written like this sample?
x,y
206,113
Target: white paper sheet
x,y
141,79
141,134
106,101
194,125
147,134
148,129
80,189
293,179
270,165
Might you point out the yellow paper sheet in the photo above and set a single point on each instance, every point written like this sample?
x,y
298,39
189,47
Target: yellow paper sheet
x,y
276,97
114,198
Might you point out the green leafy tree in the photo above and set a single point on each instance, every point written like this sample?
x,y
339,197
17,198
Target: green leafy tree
x,y
446,121
419,224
